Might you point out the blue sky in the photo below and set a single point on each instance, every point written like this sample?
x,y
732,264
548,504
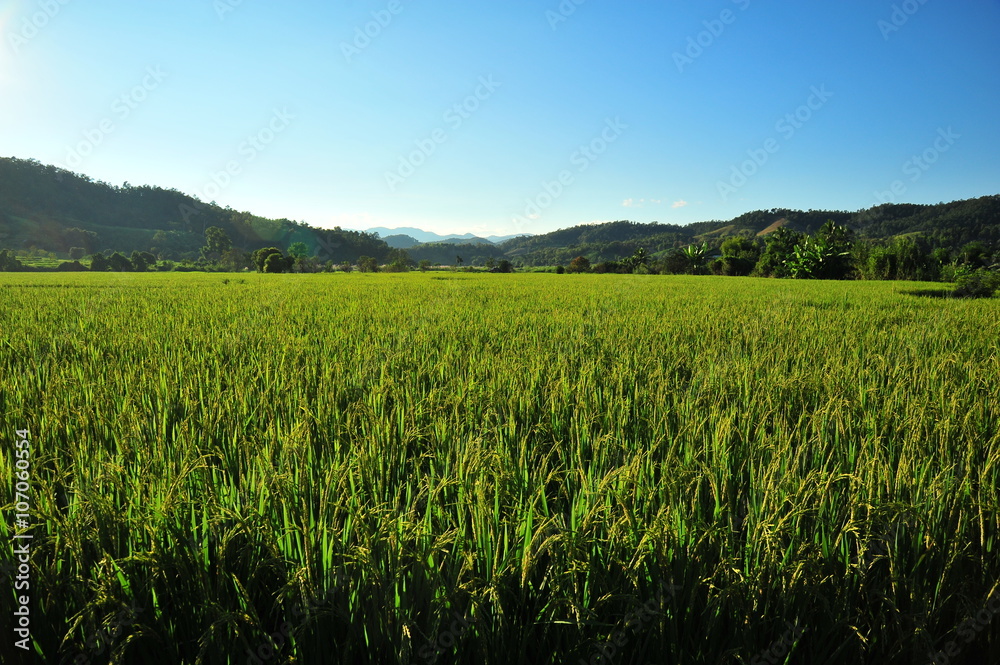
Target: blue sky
x,y
499,118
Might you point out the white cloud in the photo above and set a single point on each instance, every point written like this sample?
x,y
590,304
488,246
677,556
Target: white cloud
x,y
627,203
680,204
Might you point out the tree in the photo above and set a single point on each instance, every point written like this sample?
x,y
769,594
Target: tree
x,y
259,257
275,263
459,260
824,256
217,243
142,261
99,263
579,264
778,249
367,264
398,260
836,240
8,262
77,253
234,259
76,237
298,250
119,263
638,258
504,266
425,265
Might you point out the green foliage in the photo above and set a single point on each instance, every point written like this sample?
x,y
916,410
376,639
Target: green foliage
x,y
579,264
823,256
367,264
298,250
275,262
695,258
976,283
398,260
118,262
216,243
261,256
740,247
8,262
99,263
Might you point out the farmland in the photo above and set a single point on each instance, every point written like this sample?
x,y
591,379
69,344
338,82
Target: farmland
x,y
530,468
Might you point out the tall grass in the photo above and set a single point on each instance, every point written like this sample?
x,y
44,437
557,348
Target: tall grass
x,y
337,468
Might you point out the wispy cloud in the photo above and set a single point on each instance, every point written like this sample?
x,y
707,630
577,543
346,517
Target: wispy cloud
x,y
679,204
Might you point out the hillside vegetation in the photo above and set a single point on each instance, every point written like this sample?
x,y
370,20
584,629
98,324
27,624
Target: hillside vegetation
x,y
48,213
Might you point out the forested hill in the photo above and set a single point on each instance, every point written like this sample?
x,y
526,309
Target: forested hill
x,y
950,225
54,210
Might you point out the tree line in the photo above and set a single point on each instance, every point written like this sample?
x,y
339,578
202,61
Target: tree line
x,y
834,252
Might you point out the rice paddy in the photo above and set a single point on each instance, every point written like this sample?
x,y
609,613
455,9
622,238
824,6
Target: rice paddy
x,y
529,468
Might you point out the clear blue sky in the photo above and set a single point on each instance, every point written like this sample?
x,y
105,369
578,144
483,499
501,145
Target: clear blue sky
x,y
171,93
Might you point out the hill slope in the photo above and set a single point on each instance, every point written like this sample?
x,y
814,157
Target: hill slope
x,y
945,224
54,210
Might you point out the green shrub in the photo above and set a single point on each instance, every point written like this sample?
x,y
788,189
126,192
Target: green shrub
x,y
979,283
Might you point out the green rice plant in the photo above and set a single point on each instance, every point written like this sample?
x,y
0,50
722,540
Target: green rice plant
x,y
397,468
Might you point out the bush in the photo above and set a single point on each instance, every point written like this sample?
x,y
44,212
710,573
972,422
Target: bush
x,y
977,283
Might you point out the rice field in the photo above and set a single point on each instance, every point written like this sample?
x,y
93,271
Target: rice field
x,y
532,468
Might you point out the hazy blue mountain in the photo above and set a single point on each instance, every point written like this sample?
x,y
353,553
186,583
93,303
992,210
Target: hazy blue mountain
x,y
429,236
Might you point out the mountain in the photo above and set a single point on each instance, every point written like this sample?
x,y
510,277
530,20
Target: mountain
x,y
57,211
949,225
401,241
420,235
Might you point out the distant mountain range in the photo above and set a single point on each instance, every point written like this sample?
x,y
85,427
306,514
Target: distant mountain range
x,y
415,236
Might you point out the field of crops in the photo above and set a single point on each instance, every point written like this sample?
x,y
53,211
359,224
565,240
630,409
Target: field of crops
x,y
499,469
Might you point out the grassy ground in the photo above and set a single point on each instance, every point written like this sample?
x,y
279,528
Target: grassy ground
x,y
469,468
